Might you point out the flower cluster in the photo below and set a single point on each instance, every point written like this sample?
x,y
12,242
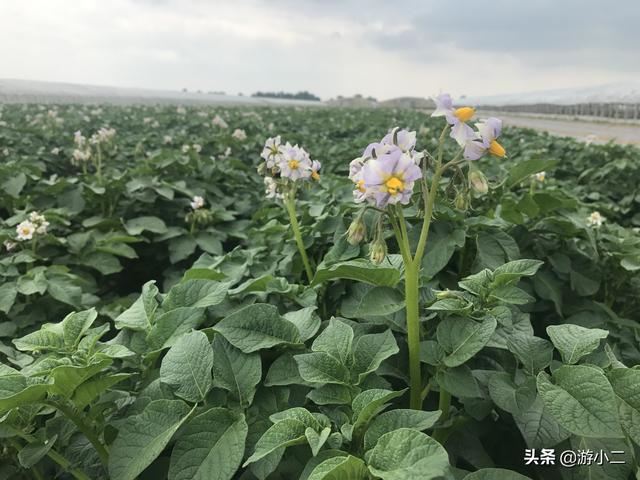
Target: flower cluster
x,y
476,143
35,224
103,135
218,121
239,134
387,170
283,163
595,220
82,152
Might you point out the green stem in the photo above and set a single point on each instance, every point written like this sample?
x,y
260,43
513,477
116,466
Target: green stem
x,y
99,165
291,209
411,293
85,429
56,457
444,404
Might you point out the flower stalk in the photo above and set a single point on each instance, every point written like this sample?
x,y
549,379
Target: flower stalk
x,y
290,205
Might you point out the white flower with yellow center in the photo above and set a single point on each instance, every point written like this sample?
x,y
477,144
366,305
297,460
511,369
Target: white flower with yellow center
x,y
595,220
540,176
295,164
25,230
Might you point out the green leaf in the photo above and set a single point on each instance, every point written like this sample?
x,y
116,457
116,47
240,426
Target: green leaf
x,y
459,381
511,272
370,302
340,468
283,371
495,248
534,353
316,440
509,396
49,337
511,295
66,378
406,454
306,320
13,186
187,367
574,341
582,401
359,270
626,386
371,350
548,287
8,292
399,418
280,435
495,474
210,447
32,453
64,290
195,293
235,371
538,428
90,390
369,403
136,226
256,327
169,326
336,340
139,316
76,324
17,391
320,367
462,338
523,170
143,437
330,394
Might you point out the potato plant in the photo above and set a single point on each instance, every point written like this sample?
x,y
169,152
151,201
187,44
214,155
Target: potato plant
x,y
182,300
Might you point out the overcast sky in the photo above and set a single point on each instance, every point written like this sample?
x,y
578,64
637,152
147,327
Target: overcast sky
x,y
383,48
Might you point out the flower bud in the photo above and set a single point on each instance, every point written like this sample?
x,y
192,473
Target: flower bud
x,y
378,251
357,231
478,182
445,294
461,201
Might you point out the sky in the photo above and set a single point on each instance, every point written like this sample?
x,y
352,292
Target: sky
x,y
383,48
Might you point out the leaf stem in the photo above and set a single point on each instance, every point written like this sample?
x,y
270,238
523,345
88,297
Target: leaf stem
x,y
56,457
86,430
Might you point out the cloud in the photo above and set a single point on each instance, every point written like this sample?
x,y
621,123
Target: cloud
x,y
330,47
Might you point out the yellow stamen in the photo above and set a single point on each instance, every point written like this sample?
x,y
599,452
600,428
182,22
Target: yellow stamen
x,y
464,114
293,164
394,185
497,149
315,175
361,186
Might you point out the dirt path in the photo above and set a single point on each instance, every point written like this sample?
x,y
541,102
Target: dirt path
x,y
602,131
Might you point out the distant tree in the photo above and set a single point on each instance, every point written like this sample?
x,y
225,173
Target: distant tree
x,y
305,95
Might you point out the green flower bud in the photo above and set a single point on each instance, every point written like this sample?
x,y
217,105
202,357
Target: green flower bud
x,y
444,294
461,201
357,231
378,251
478,182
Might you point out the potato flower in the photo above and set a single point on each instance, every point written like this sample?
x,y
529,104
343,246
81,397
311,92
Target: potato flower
x,y
295,164
218,121
485,140
25,230
456,117
273,151
239,134
9,245
540,176
595,220
387,171
197,202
